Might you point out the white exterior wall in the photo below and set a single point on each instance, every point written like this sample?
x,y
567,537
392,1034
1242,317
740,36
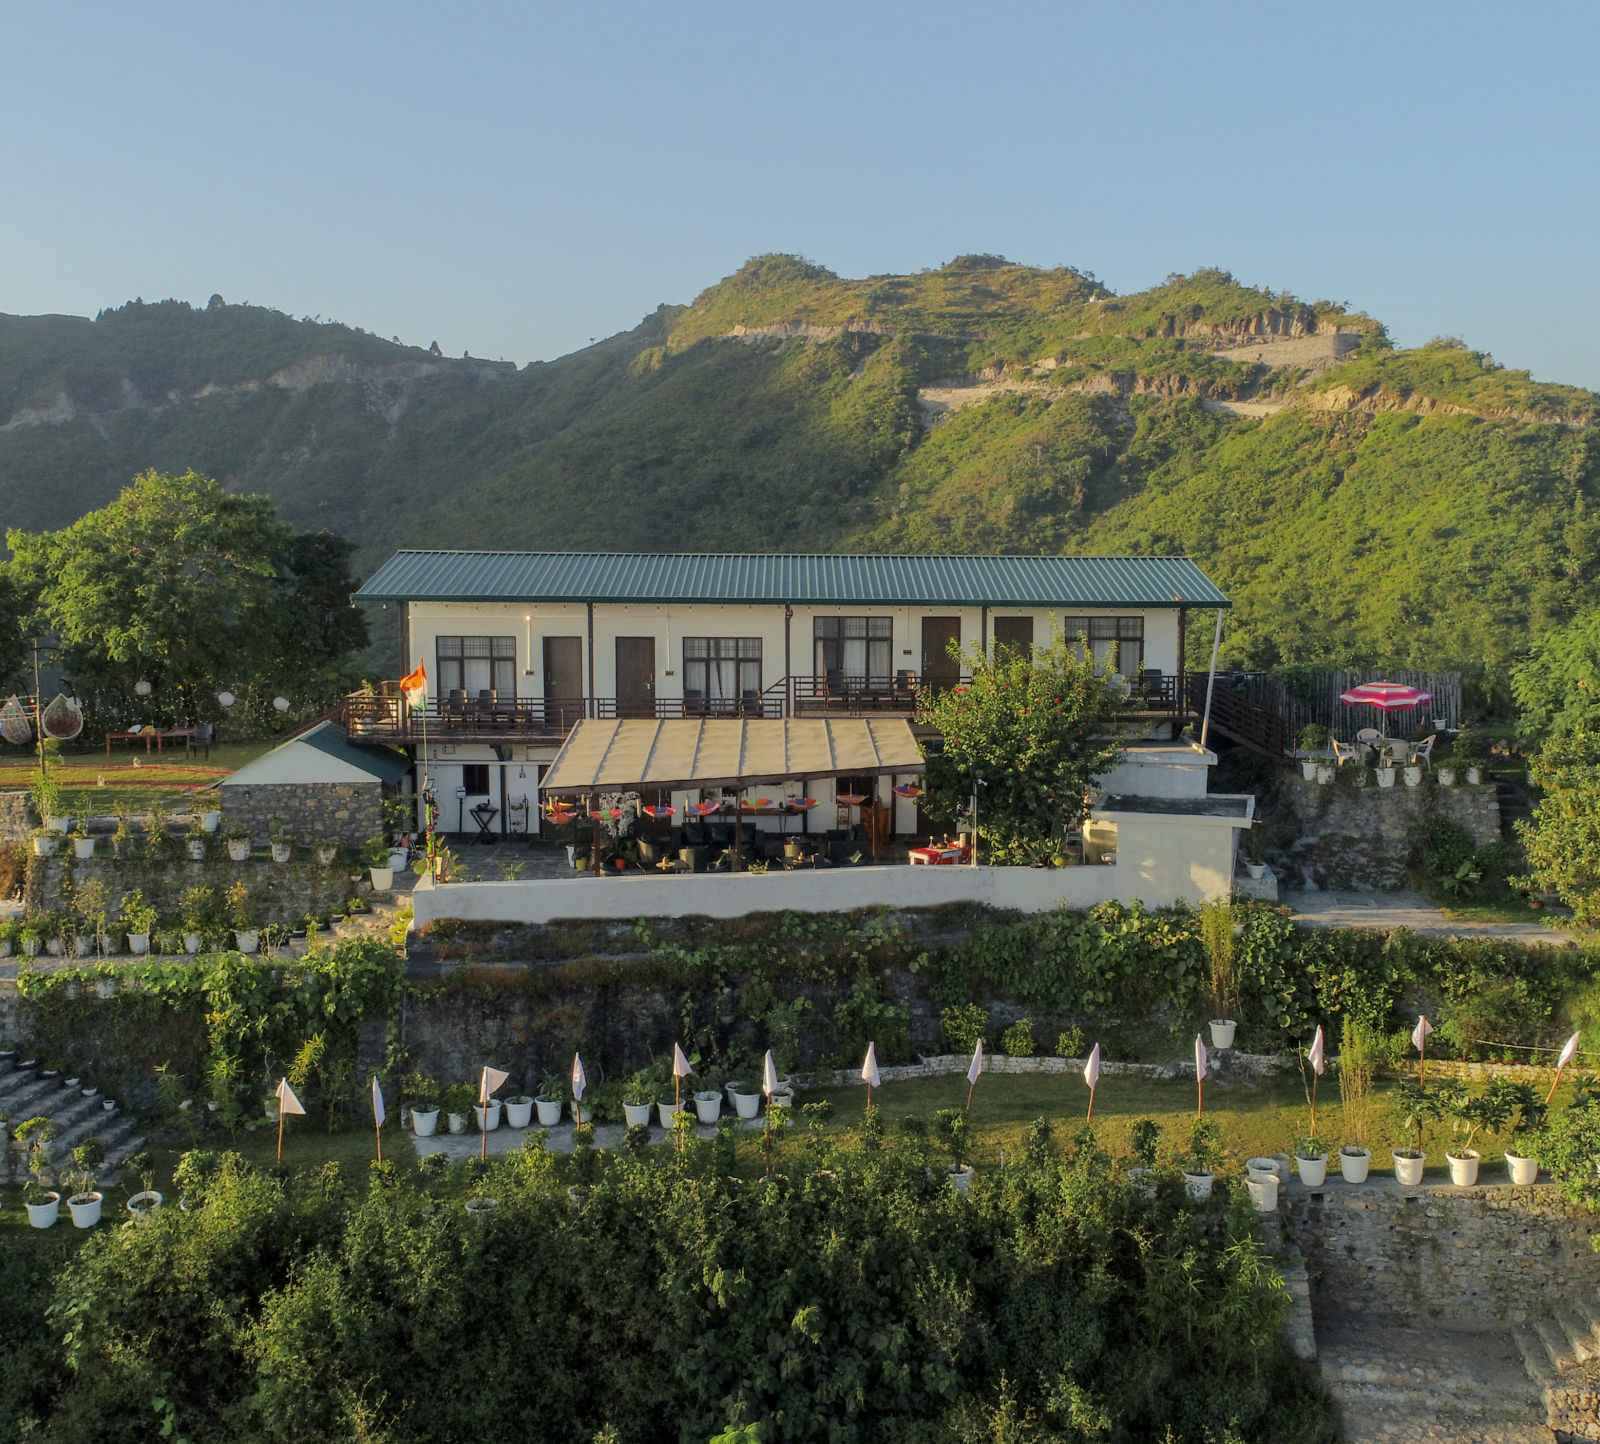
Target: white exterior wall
x,y
1172,769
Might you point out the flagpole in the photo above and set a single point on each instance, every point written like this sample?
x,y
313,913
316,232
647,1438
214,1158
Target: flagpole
x,y
1090,1118
1314,1076
280,1130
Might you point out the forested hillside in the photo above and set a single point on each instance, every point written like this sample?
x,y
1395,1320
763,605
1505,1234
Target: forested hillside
x,y
1362,503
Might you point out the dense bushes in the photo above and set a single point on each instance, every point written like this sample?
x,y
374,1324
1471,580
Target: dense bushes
x,y
850,1295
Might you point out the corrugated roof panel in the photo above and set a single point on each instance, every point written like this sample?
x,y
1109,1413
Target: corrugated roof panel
x,y
437,576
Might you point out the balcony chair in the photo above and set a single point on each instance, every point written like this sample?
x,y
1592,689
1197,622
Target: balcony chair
x,y
1344,752
455,707
1151,686
1423,751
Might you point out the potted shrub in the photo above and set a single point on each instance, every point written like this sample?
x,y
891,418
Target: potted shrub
x,y
746,1101
45,840
1216,932
1313,737
282,843
30,936
1525,1114
459,1100
85,1203
551,1097
708,1104
237,841
137,918
1412,1108
952,1128
141,1166
195,839
638,1096
122,843
1468,1116
519,1110
325,850
83,844
1357,1059
1470,750
10,932
1312,1158
1385,772
245,932
43,1205
1144,1138
424,1095
197,907
1205,1149
375,854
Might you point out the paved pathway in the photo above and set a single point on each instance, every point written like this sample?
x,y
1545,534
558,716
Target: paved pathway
x,y
1405,910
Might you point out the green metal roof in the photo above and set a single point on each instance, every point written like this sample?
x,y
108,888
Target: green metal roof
x,y
439,576
379,762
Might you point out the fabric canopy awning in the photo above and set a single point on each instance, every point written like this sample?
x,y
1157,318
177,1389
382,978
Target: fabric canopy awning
x,y
684,753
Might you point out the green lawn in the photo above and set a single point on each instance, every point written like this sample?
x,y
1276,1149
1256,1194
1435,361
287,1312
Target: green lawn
x,y
92,782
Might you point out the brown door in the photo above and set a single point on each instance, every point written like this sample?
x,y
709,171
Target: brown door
x,y
939,668
1015,635
636,676
563,681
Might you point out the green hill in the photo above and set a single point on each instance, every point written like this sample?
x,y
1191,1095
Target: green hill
x,y
1361,502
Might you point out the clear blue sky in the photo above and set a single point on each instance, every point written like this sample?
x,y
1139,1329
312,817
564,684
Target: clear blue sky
x,y
515,179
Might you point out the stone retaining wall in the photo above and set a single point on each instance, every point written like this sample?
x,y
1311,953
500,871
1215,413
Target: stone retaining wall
x,y
1463,1258
16,816
1227,1066
343,812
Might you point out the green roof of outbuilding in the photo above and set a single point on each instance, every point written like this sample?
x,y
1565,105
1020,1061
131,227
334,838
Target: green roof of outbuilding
x,y
381,762
438,576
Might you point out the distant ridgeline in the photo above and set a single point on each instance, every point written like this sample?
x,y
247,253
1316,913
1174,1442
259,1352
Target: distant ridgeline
x,y
1362,505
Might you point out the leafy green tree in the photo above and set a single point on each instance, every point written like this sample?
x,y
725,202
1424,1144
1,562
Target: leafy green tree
x,y
1558,687
1563,838
1029,737
13,636
185,585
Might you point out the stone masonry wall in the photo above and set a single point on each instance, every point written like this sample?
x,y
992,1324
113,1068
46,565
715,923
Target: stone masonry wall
x,y
16,817
345,812
1356,839
1460,1258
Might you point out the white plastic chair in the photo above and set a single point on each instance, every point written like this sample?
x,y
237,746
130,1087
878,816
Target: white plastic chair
x,y
1423,751
1344,752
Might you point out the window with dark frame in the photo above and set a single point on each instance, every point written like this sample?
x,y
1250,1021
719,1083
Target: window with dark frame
x,y
475,778
855,646
721,668
1013,635
476,664
1124,635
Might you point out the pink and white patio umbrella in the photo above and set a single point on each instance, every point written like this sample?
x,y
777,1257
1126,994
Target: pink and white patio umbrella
x,y
1386,696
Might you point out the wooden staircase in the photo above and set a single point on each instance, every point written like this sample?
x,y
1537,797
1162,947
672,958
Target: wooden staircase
x,y
1240,720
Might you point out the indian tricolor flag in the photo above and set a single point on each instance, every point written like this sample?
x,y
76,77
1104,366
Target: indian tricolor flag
x,y
415,688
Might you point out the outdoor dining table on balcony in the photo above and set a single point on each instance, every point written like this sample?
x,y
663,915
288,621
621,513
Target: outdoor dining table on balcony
x,y
937,855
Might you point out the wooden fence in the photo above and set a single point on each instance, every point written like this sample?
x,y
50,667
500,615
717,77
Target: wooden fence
x,y
1303,697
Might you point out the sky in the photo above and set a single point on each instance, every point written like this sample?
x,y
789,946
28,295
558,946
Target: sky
x,y
514,180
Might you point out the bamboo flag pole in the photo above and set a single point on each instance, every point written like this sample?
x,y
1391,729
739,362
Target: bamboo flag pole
x,y
769,1086
287,1103
680,1071
378,1114
1568,1053
580,1081
492,1078
1314,1056
1419,1041
1199,1075
1091,1076
974,1069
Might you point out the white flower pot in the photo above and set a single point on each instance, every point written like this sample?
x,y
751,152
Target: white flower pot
x,y
1143,1180
1266,1167
42,1215
668,1113
85,1209
1408,1171
82,947
58,824
105,988
1474,775
239,849
382,878
1386,777
479,1207
1354,1163
138,943
1522,1170
209,820
493,1111
1463,1168
1447,776
248,939
1324,775
282,851
1308,770
109,1105
519,1113
424,1121
197,850
87,1092
708,1106
962,1177
1222,1031
191,942
83,847
44,846
458,1122
549,1111
1313,1171
142,1205
397,862
636,1115
1263,1192
1413,776
747,1105
1198,1184
1257,870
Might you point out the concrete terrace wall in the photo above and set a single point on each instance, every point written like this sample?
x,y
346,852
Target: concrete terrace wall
x,y
1463,1258
1357,838
344,812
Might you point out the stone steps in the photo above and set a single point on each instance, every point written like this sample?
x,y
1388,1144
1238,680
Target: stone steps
x,y
24,1095
1561,1354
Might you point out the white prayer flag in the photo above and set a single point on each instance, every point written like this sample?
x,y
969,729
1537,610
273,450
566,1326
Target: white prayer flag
x,y
1199,1057
1315,1053
680,1064
580,1080
869,1069
492,1079
976,1067
377,1102
1091,1069
287,1102
1419,1034
1569,1052
769,1075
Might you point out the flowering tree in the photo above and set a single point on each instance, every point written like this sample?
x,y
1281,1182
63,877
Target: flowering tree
x,y
1028,735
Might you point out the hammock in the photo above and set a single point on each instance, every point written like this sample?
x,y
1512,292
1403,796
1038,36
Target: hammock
x,y
62,719
15,725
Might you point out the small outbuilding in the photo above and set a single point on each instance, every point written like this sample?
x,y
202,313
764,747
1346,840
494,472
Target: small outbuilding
x,y
317,785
